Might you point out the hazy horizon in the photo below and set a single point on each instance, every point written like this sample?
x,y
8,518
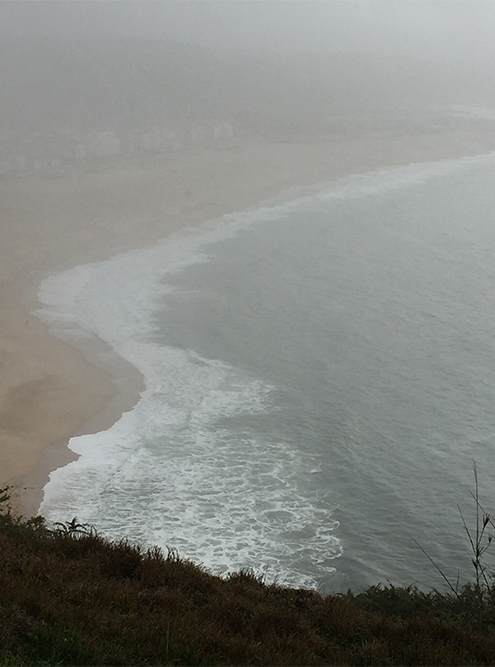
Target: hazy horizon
x,y
438,30
269,67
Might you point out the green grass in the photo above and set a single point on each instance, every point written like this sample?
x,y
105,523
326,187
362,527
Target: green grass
x,y
70,597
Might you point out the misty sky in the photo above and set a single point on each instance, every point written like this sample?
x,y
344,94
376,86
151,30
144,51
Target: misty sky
x,y
444,30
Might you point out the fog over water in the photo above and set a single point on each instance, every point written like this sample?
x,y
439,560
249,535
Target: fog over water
x,y
277,67
319,374
436,30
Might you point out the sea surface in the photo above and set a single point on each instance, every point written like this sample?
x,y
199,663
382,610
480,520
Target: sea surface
x,y
320,378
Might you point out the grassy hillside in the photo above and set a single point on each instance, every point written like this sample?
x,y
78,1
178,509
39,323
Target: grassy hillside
x,y
70,597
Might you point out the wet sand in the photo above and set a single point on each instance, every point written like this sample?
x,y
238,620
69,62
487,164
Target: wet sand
x,y
51,391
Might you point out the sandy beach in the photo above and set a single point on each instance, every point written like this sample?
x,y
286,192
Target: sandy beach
x,y
51,391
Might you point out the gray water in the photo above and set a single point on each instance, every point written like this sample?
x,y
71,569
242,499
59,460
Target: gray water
x,y
325,378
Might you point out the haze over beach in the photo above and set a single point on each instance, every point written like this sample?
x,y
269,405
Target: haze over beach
x,y
183,183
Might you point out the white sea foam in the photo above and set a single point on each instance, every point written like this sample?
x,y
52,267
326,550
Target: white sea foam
x,y
168,472
172,471
385,180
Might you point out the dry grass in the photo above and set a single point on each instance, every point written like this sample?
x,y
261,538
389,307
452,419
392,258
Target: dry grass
x,y
70,597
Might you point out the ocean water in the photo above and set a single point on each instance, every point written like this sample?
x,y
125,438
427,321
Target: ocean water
x,y
320,377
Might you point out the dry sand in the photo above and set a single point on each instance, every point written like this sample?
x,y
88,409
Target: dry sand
x,y
49,391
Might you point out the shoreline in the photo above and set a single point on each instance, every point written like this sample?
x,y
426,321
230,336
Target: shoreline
x,y
50,390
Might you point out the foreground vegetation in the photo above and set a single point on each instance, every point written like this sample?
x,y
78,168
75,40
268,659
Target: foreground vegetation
x,y
70,597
